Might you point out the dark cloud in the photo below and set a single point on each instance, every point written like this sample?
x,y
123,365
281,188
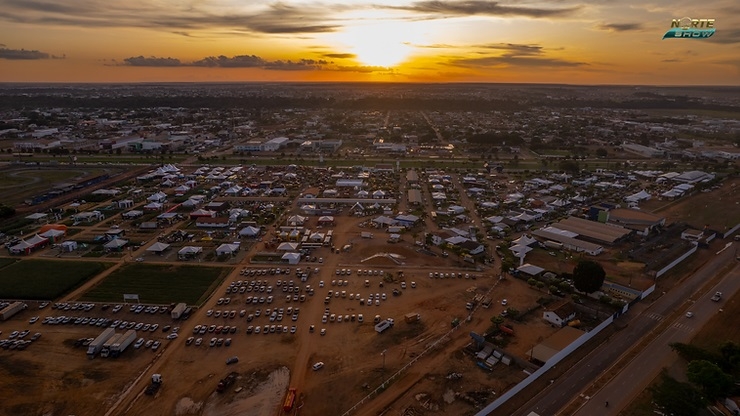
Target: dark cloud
x,y
239,61
152,61
482,7
22,54
726,36
672,60
514,48
509,60
300,65
339,55
620,27
276,18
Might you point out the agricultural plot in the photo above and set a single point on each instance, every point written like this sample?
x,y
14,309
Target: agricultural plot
x,y
45,279
159,284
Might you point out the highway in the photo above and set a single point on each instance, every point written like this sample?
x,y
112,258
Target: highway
x,y
641,371
640,321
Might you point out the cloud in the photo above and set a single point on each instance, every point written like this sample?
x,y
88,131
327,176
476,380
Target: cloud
x,y
152,61
514,48
23,54
339,55
176,17
514,54
482,7
239,61
252,61
620,27
726,36
363,69
508,60
300,65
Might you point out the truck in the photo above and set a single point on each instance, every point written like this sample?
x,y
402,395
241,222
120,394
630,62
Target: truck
x,y
97,344
506,329
178,310
227,381
412,317
289,401
11,310
366,234
105,351
717,296
152,388
383,325
123,342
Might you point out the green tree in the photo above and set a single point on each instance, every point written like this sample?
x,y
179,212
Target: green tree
x,y
714,382
588,276
691,352
601,152
676,398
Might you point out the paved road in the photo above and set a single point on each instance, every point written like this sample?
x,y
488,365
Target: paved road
x,y
640,321
638,374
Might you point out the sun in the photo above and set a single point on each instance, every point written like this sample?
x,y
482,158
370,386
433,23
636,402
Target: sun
x,y
385,44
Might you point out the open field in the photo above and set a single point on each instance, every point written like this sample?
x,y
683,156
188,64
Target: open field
x,y
718,209
160,284
45,279
17,185
6,261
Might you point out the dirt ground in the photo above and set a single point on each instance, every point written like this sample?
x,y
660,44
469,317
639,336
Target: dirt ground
x,y
356,358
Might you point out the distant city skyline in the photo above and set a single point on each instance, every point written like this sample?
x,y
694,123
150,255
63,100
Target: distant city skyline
x,y
565,41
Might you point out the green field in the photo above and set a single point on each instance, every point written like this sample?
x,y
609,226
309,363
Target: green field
x,y
159,284
45,279
5,261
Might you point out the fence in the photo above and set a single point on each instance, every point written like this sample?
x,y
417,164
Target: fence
x,y
731,231
678,260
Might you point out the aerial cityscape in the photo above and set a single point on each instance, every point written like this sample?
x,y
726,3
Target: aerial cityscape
x,y
387,208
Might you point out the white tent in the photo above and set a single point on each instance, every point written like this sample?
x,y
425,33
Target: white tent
x,y
227,249
69,246
292,258
115,244
189,252
249,231
158,247
524,240
288,247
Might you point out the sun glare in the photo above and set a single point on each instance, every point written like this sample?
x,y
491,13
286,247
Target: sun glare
x,y
384,44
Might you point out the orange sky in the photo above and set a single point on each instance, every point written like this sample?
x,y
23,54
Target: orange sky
x,y
565,41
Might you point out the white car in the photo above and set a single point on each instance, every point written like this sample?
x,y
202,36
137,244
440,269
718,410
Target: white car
x,y
317,366
689,314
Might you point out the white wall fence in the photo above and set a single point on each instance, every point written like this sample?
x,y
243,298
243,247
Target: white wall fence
x,y
731,231
681,258
542,370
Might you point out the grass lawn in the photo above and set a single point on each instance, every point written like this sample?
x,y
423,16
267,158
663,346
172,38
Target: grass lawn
x,y
5,261
159,284
45,279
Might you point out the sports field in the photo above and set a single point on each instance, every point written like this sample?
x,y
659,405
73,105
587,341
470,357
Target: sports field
x,y
44,279
159,284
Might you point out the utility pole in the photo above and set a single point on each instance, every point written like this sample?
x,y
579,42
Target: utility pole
x,y
383,354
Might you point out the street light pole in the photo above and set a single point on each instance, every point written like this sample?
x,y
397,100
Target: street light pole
x,y
383,354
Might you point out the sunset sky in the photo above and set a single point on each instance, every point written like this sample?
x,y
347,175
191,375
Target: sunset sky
x,y
558,41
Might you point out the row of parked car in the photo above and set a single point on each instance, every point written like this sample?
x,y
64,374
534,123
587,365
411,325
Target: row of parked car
x,y
263,272
16,341
272,329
